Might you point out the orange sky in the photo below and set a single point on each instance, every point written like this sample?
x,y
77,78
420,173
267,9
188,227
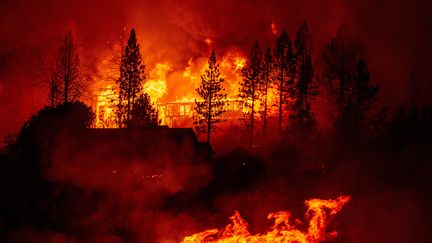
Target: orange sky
x,y
395,37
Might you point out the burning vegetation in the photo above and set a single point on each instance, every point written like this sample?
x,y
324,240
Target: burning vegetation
x,y
249,89
174,110
318,214
270,92
161,128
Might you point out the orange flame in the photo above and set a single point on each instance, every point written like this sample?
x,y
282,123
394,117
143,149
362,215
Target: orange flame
x,y
172,88
105,114
282,231
156,86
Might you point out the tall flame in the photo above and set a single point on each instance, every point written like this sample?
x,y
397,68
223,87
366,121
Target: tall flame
x,y
156,86
172,88
318,214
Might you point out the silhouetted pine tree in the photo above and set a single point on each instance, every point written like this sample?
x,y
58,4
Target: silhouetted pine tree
x,y
302,120
66,85
267,83
411,115
250,87
356,116
211,105
144,113
132,74
339,62
284,67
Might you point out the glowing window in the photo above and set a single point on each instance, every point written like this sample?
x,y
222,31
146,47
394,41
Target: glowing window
x,y
182,110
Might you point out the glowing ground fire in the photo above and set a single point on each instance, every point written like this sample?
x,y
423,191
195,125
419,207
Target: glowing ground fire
x,y
319,213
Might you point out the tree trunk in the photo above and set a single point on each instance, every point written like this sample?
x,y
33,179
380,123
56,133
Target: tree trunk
x,y
210,108
252,113
280,104
265,109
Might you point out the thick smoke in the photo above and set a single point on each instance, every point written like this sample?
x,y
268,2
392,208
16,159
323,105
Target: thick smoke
x,y
109,192
114,186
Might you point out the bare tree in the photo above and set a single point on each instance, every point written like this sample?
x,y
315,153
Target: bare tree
x,y
67,77
44,71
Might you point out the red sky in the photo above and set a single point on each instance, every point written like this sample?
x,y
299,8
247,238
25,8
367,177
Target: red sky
x,y
395,34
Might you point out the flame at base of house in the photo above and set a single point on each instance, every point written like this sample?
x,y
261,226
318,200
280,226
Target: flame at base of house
x,y
172,89
319,213
182,114
172,114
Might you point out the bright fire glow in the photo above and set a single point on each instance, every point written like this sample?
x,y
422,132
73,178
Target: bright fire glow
x,y
105,114
156,86
273,28
172,88
318,213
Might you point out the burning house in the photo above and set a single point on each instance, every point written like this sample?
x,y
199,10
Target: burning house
x,y
173,92
182,114
312,133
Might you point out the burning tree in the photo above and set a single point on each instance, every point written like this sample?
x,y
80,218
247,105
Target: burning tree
x,y
132,74
250,87
66,83
301,118
211,105
284,64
